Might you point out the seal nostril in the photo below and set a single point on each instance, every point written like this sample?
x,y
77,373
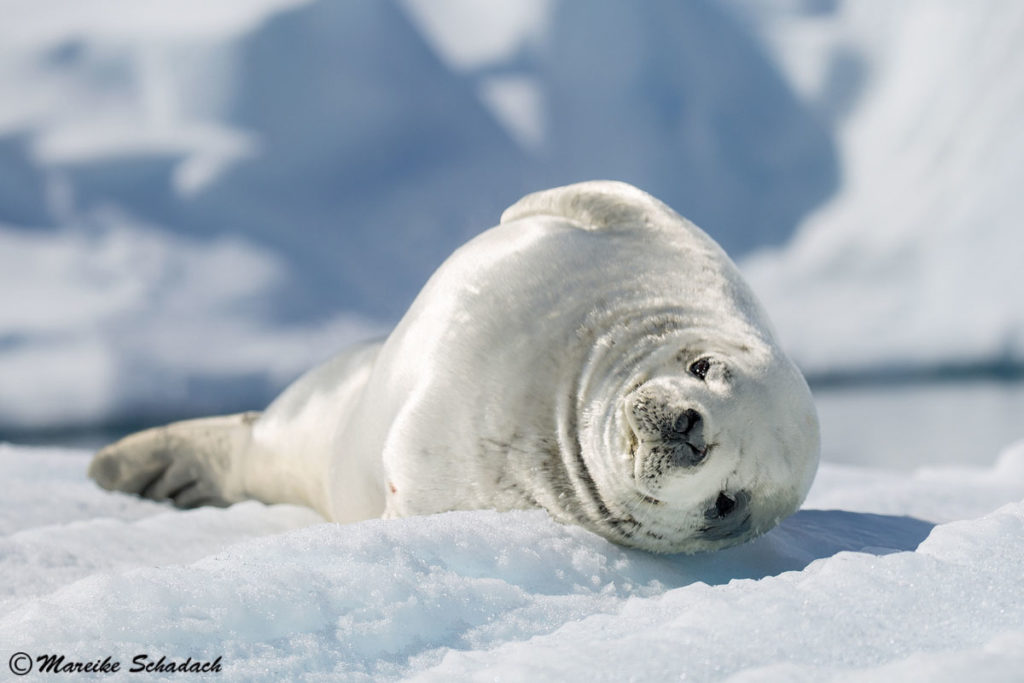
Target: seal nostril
x,y
724,504
682,424
686,421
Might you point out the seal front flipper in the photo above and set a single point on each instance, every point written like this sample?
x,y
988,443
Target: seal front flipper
x,y
191,463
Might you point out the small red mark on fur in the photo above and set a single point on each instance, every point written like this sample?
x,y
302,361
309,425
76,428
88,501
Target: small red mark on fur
x,y
392,487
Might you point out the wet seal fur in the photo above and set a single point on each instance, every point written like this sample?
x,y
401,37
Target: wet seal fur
x,y
596,355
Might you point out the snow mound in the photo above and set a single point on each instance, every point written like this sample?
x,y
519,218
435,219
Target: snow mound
x,y
472,595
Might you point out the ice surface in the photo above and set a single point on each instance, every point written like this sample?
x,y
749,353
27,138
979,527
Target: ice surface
x,y
874,591
920,424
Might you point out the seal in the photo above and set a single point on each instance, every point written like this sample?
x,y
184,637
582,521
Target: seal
x,y
595,354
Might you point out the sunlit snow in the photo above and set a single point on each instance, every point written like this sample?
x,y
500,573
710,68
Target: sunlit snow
x,y
280,594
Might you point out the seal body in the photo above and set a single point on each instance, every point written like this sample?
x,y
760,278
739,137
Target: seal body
x,y
595,354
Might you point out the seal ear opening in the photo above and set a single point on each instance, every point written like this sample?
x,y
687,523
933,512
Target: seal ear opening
x,y
597,205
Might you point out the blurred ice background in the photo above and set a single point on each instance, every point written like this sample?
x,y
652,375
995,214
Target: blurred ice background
x,y
200,200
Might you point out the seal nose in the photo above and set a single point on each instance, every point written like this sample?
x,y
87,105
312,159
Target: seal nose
x,y
727,515
664,434
687,433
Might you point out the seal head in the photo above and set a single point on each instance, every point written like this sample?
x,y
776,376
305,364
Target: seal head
x,y
693,430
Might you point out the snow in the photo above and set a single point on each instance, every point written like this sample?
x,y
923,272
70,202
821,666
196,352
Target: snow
x,y
873,590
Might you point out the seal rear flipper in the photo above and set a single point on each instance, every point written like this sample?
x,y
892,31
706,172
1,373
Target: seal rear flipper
x,y
191,463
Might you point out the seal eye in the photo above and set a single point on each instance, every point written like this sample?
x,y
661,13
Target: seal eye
x,y
724,504
699,368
